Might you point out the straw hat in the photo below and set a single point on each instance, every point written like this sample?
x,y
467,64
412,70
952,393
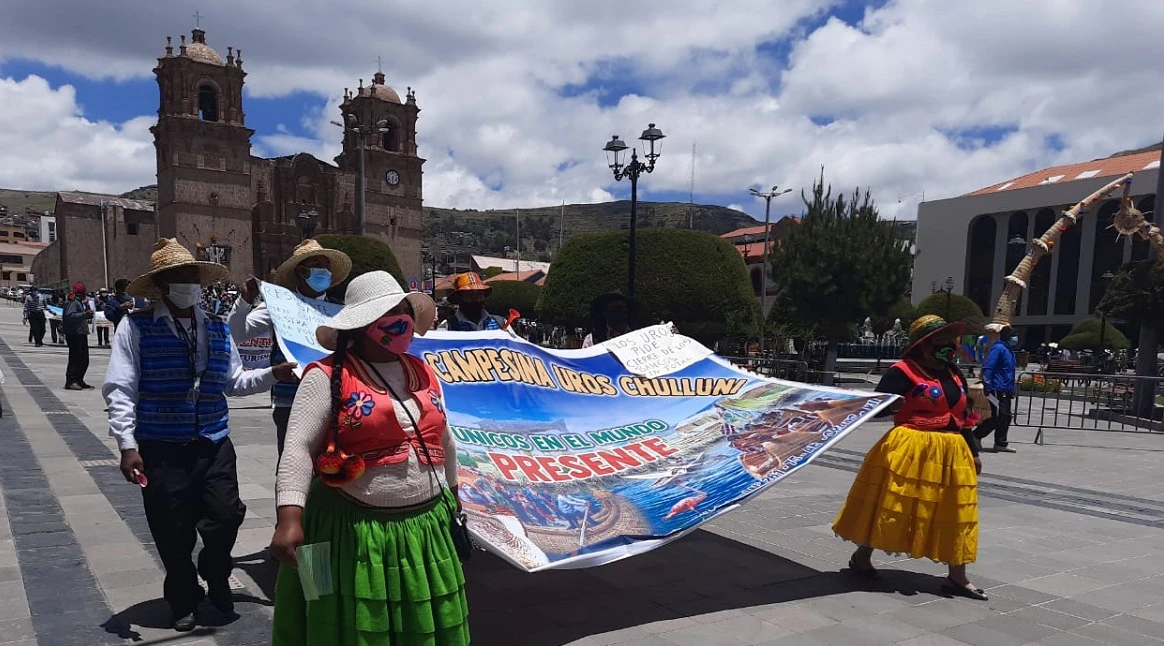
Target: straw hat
x,y
168,254
341,264
369,297
468,282
928,326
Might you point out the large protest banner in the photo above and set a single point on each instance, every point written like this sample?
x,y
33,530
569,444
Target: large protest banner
x,y
571,459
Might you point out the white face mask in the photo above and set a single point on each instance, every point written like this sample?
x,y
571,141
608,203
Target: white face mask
x,y
184,295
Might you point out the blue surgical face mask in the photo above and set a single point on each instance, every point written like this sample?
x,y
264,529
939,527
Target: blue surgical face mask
x,y
319,279
1013,341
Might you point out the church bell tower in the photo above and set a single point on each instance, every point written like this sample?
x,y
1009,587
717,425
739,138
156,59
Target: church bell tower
x,y
204,153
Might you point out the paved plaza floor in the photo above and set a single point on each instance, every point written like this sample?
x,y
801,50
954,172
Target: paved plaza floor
x,y
1071,549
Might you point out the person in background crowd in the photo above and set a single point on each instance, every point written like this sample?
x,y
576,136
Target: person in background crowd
x,y
75,321
917,490
446,314
98,304
34,317
170,371
469,294
386,520
998,373
612,315
310,271
119,303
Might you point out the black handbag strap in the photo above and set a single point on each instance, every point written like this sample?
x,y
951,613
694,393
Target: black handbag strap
x,y
416,431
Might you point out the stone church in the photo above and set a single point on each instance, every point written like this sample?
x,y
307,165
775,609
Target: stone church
x,y
249,212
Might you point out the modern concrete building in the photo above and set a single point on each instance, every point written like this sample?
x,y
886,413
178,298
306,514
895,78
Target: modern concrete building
x,y
979,238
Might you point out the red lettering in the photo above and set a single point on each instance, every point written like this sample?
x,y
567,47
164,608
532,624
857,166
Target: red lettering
x,y
552,468
530,468
660,447
641,452
505,464
597,466
577,471
619,459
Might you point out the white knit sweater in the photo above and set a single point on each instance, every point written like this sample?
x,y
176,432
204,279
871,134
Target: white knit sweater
x,y
395,485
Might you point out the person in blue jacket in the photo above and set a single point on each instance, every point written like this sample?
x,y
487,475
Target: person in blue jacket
x,y
999,385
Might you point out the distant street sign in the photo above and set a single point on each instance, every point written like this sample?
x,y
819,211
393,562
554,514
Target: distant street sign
x,y
413,285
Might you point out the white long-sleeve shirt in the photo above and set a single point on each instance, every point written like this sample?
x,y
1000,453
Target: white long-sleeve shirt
x,y
121,378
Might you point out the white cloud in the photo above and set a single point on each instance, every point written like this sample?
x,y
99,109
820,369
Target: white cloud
x,y
498,131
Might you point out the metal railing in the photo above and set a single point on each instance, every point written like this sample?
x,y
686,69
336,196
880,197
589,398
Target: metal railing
x,y
1084,401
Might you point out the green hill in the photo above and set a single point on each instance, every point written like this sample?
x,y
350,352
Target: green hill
x,y
489,232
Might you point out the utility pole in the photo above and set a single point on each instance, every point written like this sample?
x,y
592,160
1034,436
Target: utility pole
x,y
775,192
517,263
561,225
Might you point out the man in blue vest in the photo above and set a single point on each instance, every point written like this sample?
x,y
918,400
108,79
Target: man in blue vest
x,y
999,387
171,369
310,272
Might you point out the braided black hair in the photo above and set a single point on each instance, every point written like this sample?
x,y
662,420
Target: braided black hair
x,y
341,350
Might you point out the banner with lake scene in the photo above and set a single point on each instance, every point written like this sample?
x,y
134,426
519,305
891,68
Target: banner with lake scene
x,y
576,458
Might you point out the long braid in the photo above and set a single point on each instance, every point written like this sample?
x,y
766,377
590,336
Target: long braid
x,y
341,351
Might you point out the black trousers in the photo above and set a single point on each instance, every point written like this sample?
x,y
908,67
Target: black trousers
x,y
78,358
102,335
192,488
281,415
1000,416
55,328
36,321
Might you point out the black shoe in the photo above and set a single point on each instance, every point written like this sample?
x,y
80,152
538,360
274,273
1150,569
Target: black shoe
x,y
1002,448
969,591
74,386
85,386
185,623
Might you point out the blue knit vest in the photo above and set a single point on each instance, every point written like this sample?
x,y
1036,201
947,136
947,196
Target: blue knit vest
x,y
283,393
165,411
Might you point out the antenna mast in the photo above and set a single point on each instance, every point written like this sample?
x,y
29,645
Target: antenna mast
x,y
691,192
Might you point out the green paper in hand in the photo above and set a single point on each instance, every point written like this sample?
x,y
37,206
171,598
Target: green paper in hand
x,y
314,570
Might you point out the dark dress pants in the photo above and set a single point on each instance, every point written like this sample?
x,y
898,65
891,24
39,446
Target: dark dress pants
x,y
192,488
78,358
36,321
1000,416
281,415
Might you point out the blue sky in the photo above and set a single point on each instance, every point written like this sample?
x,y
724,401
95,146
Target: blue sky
x,y
518,98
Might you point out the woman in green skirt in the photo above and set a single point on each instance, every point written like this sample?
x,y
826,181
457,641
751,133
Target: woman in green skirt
x,y
367,448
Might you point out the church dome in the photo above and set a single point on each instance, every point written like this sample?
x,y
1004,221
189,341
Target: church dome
x,y
377,90
199,51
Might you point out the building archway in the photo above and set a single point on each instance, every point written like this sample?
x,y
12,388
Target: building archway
x,y
1016,247
980,261
1107,253
1067,277
1039,292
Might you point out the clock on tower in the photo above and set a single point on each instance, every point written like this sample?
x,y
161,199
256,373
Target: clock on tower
x,y
392,177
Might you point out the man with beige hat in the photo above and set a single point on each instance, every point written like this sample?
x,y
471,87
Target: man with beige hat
x,y
171,369
310,272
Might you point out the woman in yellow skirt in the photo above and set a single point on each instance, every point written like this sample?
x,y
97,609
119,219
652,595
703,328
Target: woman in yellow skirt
x,y
917,490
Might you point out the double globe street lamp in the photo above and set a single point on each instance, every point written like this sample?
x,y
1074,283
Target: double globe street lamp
x,y
614,149
361,131
767,197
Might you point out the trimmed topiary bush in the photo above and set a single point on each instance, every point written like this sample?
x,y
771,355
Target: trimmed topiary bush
x,y
960,309
1085,336
697,280
367,254
513,294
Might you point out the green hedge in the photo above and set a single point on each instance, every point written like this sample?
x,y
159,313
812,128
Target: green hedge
x,y
367,254
697,280
1085,336
513,294
960,309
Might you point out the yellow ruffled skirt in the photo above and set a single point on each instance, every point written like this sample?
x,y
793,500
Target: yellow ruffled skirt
x,y
916,494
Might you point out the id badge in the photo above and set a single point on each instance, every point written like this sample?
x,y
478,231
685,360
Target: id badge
x,y
196,391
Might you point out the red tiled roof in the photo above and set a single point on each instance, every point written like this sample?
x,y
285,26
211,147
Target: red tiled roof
x,y
514,275
756,230
1107,167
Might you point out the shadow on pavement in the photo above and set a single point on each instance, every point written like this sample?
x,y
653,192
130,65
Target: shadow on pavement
x,y
700,574
262,570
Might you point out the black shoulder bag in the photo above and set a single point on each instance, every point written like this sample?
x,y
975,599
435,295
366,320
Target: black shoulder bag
x,y
458,522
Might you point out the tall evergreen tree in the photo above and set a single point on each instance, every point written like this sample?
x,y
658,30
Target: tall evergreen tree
x,y
839,266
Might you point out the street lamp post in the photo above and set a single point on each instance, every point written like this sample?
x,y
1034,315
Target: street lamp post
x,y
775,192
361,131
1106,278
948,290
631,171
308,219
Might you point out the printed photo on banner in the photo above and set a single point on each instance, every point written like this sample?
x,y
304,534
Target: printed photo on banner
x,y
571,460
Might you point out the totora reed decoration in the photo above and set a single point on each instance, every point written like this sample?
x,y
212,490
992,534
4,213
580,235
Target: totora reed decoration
x,y
1127,221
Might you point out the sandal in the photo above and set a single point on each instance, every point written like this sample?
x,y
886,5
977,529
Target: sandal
x,y
869,573
970,591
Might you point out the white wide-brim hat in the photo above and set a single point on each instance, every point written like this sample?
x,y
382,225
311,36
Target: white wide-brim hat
x,y
369,297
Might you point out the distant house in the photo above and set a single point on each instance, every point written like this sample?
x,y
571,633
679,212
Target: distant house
x,y
481,263
749,241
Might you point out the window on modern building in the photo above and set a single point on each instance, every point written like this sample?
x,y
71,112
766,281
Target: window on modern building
x,y
1067,278
980,261
1040,289
21,277
6,275
3,234
207,103
131,228
11,260
1107,254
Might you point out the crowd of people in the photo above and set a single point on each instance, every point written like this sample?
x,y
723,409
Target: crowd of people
x,y
367,464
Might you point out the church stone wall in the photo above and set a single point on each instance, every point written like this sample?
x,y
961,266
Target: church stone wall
x,y
79,225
